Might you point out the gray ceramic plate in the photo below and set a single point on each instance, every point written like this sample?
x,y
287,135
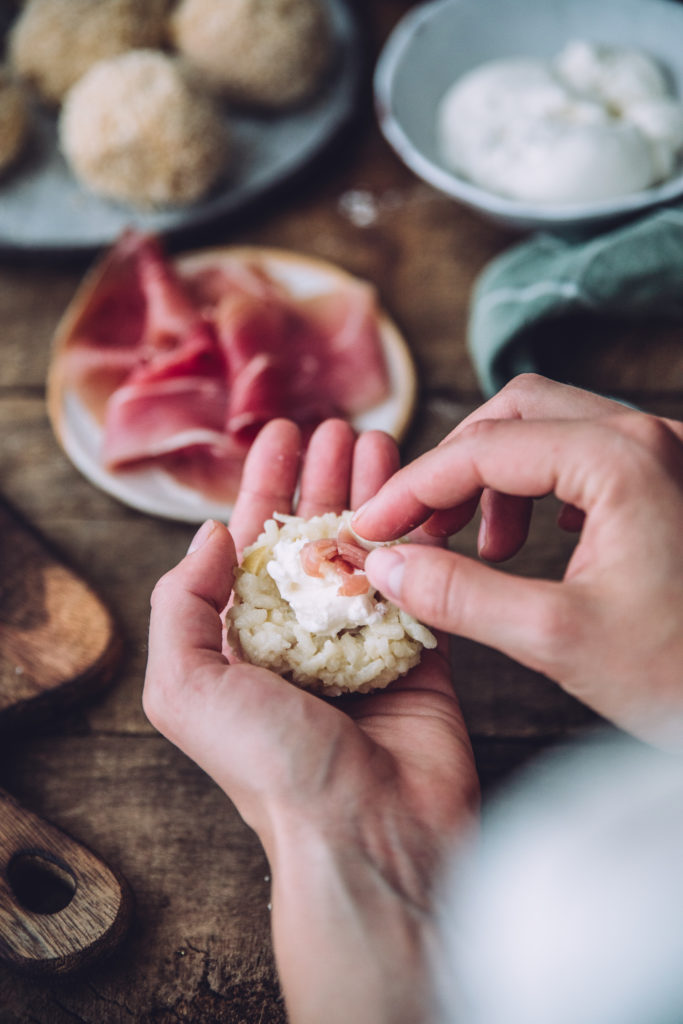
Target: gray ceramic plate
x,y
437,42
42,207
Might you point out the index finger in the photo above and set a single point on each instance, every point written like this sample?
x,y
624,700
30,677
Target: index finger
x,y
269,479
529,397
518,457
532,397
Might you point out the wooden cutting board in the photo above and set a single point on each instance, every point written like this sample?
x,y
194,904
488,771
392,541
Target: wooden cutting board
x,y
58,641
60,905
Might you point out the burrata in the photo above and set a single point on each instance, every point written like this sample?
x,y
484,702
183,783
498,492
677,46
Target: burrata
x,y
593,123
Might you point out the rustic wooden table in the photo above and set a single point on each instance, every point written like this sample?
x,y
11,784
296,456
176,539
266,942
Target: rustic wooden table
x,y
199,948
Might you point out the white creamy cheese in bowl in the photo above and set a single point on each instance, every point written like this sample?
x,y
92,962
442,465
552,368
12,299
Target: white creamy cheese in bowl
x,y
610,70
592,123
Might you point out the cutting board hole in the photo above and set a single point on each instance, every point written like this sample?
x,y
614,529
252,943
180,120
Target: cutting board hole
x,y
39,883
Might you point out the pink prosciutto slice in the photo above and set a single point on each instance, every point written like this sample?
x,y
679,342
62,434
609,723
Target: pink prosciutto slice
x,y
102,332
209,285
307,360
277,365
182,364
354,373
342,557
175,397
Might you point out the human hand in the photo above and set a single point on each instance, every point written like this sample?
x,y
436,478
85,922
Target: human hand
x,y
611,632
355,800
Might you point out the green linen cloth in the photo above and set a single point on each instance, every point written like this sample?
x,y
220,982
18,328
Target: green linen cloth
x,y
635,269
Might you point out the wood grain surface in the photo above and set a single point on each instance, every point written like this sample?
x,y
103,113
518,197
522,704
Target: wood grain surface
x,y
199,947
61,907
58,641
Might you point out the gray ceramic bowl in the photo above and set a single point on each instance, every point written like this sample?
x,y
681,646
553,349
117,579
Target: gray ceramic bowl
x,y
439,41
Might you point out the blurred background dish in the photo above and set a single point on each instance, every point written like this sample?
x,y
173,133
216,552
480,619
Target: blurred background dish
x,y
436,44
44,208
150,487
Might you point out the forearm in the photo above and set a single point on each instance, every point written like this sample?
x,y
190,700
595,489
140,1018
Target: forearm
x,y
350,943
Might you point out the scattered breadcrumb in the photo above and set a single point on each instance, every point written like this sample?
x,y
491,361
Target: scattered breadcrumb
x,y
133,129
53,42
264,53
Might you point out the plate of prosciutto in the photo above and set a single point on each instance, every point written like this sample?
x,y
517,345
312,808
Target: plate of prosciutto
x,y
163,369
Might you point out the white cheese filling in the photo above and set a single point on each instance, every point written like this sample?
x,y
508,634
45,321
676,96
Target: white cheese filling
x,y
594,123
315,601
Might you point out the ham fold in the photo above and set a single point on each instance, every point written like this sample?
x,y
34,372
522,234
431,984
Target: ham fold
x,y
183,368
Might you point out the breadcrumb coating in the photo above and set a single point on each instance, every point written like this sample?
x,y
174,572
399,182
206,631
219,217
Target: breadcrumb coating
x,y
53,42
264,53
133,129
13,120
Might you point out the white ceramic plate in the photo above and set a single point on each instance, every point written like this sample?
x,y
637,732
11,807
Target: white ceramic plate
x,y
43,207
155,491
438,42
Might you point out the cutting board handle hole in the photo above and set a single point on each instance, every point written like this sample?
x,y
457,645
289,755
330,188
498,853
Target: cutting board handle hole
x,y
40,883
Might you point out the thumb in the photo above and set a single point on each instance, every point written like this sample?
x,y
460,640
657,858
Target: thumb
x,y
185,629
238,722
529,620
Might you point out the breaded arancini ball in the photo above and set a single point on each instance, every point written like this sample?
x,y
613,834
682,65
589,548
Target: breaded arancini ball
x,y
261,53
13,120
53,42
134,129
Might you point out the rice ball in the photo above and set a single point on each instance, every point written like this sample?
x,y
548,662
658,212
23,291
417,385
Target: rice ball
x,y
320,624
263,53
54,42
133,129
13,120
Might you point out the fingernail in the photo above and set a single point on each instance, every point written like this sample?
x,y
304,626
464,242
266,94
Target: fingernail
x,y
481,536
388,568
434,529
359,511
201,536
